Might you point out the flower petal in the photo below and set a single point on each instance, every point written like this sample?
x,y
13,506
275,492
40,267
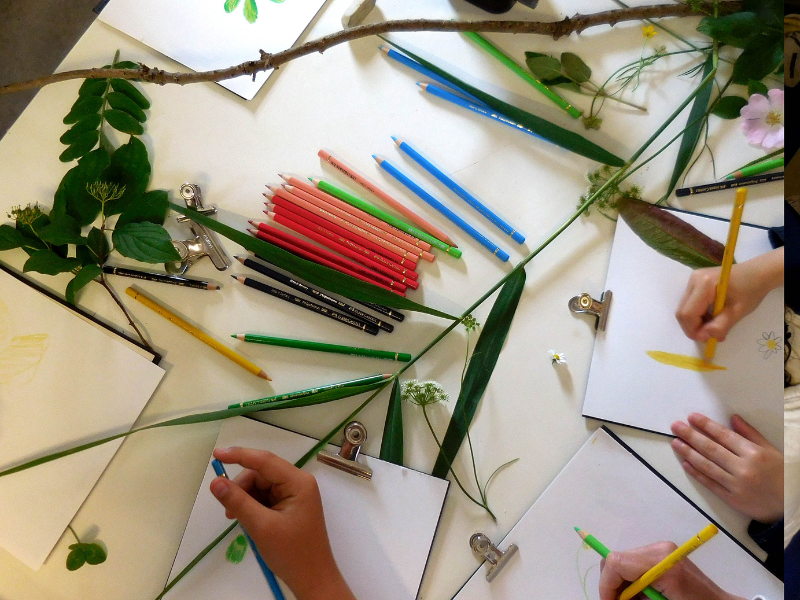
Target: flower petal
x,y
776,99
757,108
773,139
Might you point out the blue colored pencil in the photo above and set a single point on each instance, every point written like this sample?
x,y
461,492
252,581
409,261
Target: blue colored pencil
x,y
480,109
219,469
412,64
484,241
459,191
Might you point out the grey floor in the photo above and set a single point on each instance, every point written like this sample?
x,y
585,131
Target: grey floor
x,y
35,35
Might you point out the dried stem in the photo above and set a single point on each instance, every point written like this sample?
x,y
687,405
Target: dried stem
x,y
104,283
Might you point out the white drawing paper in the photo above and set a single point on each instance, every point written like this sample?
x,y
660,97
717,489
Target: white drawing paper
x,y
627,386
381,531
203,36
608,492
63,382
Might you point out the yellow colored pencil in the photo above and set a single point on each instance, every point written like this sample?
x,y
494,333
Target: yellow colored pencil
x,y
727,263
706,533
192,330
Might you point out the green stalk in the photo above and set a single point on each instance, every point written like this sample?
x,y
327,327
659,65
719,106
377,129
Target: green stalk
x,y
758,160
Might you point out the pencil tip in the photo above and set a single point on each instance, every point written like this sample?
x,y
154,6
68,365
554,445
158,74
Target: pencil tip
x,y
264,376
212,286
387,375
253,231
424,86
377,160
383,49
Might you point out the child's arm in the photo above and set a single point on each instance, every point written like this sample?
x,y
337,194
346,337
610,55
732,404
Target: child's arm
x,y
280,507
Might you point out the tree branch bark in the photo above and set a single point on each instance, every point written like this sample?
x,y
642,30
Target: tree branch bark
x,y
556,29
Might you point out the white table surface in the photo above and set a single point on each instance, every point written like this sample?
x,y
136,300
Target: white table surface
x,y
350,101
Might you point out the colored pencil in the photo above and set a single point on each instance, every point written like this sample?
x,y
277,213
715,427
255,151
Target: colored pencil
x,y
345,228
384,216
729,184
522,73
195,332
727,264
412,64
756,169
459,191
474,233
705,534
160,278
398,206
435,90
314,293
307,304
322,347
598,547
219,469
384,310
306,186
322,388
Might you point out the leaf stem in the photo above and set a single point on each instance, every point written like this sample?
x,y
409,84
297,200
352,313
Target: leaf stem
x,y
104,283
73,533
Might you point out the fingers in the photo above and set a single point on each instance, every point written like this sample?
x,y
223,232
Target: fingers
x,y
622,567
271,468
700,463
719,326
719,433
692,442
693,307
240,505
747,431
717,489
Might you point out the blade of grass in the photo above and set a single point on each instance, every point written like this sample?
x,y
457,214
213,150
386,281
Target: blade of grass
x,y
392,442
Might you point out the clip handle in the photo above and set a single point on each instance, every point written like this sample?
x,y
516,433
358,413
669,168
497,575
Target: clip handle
x,y
355,434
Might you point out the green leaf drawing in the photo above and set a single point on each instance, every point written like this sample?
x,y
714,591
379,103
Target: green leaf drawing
x,y
392,443
230,5
83,277
87,123
237,549
10,238
48,262
729,107
71,197
80,147
575,68
544,68
122,102
152,206
84,106
126,87
129,167
63,229
669,235
250,11
122,121
481,365
145,242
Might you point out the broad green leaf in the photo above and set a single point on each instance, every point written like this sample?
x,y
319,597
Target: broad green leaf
x,y
250,11
729,107
667,234
756,62
71,196
122,102
129,167
92,87
152,206
392,443
48,262
122,121
756,87
83,254
324,277
95,554
80,147
76,557
10,238
736,29
145,242
85,124
769,11
481,365
230,5
237,549
32,243
84,106
544,68
130,90
84,276
97,242
557,135
61,230
575,68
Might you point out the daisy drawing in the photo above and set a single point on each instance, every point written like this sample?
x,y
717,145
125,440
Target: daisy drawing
x,y
769,344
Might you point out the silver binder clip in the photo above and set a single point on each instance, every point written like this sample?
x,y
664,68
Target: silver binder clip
x,y
204,242
495,558
355,434
599,308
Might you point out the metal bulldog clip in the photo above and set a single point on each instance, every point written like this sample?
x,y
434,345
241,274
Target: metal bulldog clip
x,y
495,558
599,308
204,242
355,434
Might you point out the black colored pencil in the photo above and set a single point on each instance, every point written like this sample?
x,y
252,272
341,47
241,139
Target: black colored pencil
x,y
307,304
160,278
729,184
384,310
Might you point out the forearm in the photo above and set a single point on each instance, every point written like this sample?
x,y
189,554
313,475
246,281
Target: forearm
x,y
769,269
326,587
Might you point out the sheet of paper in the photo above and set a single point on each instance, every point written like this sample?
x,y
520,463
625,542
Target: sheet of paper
x,y
380,530
202,35
63,382
626,385
612,494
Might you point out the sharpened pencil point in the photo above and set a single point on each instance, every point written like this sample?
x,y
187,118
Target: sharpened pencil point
x,y
424,86
387,375
253,231
377,160
241,259
264,376
383,49
212,286
284,177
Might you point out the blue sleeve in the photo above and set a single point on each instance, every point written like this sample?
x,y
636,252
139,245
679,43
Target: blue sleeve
x,y
770,539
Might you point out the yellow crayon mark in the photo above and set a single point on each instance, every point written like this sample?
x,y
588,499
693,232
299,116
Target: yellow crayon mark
x,y
682,361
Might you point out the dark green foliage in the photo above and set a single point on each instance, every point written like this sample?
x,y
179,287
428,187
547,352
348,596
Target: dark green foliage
x,y
756,87
49,263
93,87
80,147
122,102
129,167
63,229
392,443
152,206
729,107
10,238
126,87
72,197
122,121
81,554
145,242
87,123
83,107
82,277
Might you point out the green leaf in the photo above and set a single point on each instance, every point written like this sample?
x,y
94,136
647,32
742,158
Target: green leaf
x,y
10,238
729,107
97,242
61,230
82,146
392,443
49,263
756,87
126,87
561,137
85,124
152,206
95,554
122,102
667,234
575,68
250,11
324,277
566,84
145,242
694,127
756,62
84,276
544,68
484,358
230,5
237,549
92,87
84,106
122,121
129,167
736,29
77,557
71,196
127,64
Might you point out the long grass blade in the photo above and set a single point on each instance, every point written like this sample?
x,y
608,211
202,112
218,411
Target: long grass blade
x,y
392,442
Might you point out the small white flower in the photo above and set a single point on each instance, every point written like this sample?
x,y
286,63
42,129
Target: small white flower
x,y
558,358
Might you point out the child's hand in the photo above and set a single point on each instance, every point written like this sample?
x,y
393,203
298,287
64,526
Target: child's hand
x,y
684,581
738,465
750,281
280,507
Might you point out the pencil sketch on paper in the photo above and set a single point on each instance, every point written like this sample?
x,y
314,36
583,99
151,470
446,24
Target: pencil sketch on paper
x,y
587,564
769,344
20,355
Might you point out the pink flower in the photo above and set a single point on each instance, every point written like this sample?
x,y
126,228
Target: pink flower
x,y
763,120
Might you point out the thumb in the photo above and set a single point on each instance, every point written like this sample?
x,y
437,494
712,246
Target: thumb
x,y
240,505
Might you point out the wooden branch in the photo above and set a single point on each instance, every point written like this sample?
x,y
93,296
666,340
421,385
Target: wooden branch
x,y
556,29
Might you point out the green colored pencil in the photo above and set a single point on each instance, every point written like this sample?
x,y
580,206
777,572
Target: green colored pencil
x,y
384,216
322,347
323,388
598,547
757,168
509,62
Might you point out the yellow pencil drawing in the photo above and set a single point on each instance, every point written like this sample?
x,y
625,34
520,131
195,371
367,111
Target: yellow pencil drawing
x,y
20,355
682,361
587,561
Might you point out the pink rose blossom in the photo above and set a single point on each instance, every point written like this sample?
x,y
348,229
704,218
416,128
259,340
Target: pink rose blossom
x,y
762,120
